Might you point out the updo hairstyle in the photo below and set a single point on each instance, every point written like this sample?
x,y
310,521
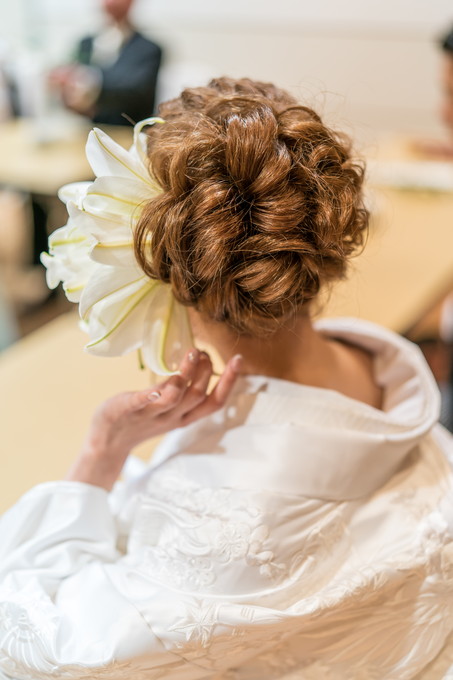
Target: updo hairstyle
x,y
261,204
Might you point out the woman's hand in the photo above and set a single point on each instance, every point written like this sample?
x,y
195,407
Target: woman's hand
x,y
127,419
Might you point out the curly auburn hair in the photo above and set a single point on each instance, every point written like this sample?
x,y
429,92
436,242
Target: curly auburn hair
x,y
261,204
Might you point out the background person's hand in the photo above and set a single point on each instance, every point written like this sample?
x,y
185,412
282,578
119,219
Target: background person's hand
x,y
78,85
127,419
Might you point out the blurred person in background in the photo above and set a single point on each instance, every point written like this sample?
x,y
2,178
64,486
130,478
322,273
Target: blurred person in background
x,y
113,79
21,284
437,344
447,84
8,329
442,149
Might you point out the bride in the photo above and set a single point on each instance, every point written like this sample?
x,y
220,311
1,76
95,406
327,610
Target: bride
x,y
297,520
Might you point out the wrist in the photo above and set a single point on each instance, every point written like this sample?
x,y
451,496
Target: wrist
x,y
93,467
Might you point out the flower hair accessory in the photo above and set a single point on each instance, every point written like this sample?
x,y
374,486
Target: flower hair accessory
x,y
121,308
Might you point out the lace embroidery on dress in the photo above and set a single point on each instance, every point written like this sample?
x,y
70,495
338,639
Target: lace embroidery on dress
x,y
184,532
27,647
27,629
321,552
211,633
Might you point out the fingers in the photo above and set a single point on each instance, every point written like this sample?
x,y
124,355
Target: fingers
x,y
165,395
191,392
227,380
175,390
139,400
184,395
219,394
179,391
197,391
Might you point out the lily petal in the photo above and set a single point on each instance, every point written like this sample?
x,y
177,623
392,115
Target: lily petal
x,y
73,192
54,271
140,146
116,323
116,198
69,260
100,228
108,280
69,237
106,157
119,254
167,332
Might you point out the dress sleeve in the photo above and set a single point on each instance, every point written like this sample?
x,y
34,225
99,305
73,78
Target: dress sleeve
x,y
67,606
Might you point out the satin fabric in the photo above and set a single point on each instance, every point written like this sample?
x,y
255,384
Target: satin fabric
x,y
297,533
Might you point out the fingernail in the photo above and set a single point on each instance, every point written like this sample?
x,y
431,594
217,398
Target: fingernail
x,y
236,363
193,355
153,396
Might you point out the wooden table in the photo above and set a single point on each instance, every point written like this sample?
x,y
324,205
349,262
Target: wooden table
x,y
49,387
407,264
39,169
43,167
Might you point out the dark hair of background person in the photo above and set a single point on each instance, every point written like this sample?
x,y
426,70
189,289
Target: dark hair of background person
x,y
446,42
261,204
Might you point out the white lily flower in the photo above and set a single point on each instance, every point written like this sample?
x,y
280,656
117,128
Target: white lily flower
x,y
73,192
121,308
69,259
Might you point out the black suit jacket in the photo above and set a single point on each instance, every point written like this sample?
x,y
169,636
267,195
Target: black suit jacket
x,y
129,84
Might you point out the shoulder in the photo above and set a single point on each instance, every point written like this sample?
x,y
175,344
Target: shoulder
x,y
374,338
145,44
361,328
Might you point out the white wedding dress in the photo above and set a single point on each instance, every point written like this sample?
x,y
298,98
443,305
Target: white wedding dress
x,y
296,534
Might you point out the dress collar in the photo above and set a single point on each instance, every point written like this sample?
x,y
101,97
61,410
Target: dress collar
x,y
297,439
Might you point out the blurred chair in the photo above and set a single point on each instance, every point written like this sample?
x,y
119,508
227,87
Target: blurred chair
x,y
8,328
22,285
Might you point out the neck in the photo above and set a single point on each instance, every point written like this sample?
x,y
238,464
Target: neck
x,y
121,24
299,353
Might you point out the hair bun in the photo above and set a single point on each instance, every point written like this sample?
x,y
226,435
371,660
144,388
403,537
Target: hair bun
x,y
261,204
